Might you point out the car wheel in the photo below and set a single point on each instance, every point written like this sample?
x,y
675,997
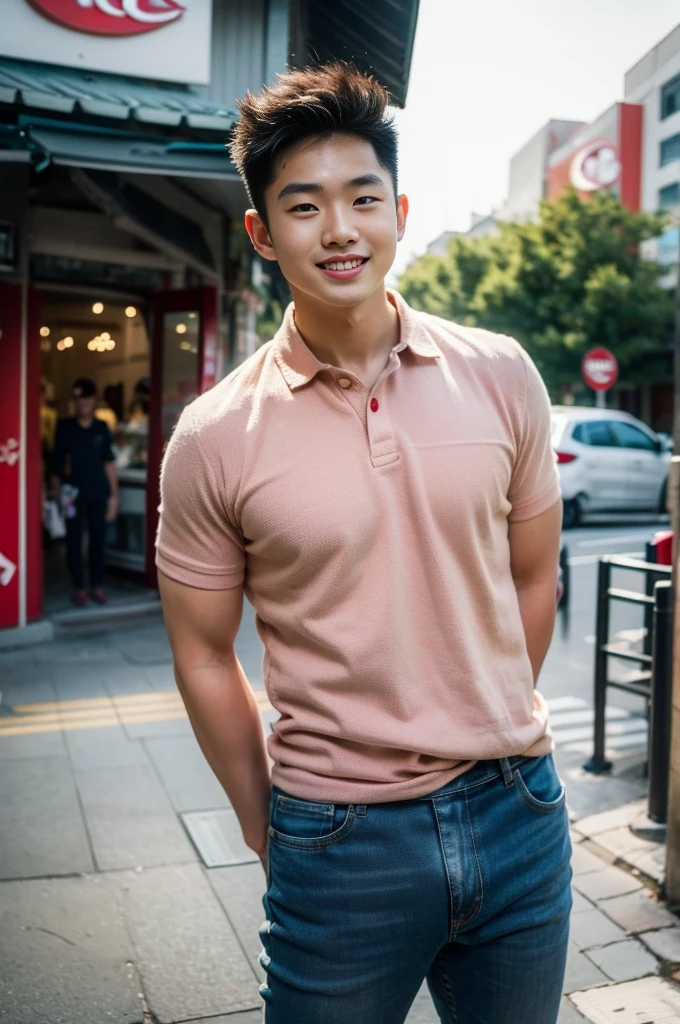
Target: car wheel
x,y
663,497
571,514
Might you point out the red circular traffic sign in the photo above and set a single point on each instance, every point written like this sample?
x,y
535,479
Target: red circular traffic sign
x,y
599,369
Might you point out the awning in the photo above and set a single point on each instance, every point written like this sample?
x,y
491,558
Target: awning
x,y
77,145
377,37
68,90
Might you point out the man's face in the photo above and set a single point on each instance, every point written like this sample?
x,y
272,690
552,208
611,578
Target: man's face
x,y
331,204
84,406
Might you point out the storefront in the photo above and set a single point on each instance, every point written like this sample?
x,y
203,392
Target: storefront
x,y
122,252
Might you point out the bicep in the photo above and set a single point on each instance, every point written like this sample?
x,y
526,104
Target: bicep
x,y
201,624
535,546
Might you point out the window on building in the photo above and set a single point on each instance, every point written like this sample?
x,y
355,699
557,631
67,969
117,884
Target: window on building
x,y
669,196
669,150
670,97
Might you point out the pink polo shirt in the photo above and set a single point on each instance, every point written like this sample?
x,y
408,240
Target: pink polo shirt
x,y
370,532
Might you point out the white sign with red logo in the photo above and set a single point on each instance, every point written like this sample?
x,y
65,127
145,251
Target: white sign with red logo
x,y
164,39
595,166
600,369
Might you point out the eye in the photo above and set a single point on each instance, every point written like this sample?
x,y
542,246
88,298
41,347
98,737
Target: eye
x,y
365,200
304,208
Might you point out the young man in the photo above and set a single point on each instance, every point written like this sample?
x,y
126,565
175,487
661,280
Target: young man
x,y
83,457
382,485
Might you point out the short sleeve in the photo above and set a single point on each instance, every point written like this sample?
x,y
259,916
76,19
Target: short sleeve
x,y
197,543
535,484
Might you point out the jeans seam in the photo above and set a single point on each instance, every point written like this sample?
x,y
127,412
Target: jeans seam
x,y
446,868
447,987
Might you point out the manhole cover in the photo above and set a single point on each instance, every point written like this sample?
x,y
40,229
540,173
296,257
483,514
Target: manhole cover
x,y
217,837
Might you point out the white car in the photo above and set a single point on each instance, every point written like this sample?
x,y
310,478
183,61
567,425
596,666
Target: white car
x,y
608,461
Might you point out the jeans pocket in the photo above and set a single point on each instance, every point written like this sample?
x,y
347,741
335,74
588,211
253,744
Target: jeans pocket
x,y
539,785
306,824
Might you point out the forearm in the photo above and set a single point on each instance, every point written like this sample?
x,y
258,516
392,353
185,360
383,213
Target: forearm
x,y
537,606
112,477
226,720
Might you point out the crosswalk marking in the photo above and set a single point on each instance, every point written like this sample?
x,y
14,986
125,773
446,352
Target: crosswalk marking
x,y
572,722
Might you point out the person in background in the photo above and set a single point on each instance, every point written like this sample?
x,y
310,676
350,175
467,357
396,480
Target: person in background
x,y
105,413
83,457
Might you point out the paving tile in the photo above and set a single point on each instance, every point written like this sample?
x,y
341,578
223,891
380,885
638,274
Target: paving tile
x,y
130,820
580,903
593,928
652,864
648,1001
33,745
602,885
638,912
188,954
624,961
41,828
129,679
569,1014
583,861
665,943
160,677
581,972
422,1009
108,747
246,1017
65,950
24,691
618,817
622,842
79,685
186,775
240,890
149,730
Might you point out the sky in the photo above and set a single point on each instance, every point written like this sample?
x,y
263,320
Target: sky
x,y
485,76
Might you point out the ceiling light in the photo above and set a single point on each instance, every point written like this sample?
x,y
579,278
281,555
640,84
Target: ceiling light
x,y
192,316
44,332
105,335
92,344
130,311
98,307
185,346
109,344
61,346
67,342
181,328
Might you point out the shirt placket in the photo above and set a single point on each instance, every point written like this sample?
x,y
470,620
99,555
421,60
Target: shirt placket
x,y
371,406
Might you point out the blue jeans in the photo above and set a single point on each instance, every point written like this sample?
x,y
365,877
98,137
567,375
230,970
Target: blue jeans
x,y
468,887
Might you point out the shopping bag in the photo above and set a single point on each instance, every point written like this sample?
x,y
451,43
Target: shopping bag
x,y
53,520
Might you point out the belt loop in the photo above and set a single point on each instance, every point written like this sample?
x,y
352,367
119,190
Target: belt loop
x,y
360,810
508,777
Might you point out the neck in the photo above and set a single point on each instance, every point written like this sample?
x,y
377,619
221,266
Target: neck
x,y
85,421
354,338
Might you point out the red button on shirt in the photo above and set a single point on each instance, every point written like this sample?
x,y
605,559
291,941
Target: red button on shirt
x,y
375,405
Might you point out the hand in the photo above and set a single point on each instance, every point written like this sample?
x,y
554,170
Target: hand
x,y
112,509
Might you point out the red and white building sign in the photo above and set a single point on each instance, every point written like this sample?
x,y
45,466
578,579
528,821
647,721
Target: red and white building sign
x,y
604,155
600,369
111,17
164,39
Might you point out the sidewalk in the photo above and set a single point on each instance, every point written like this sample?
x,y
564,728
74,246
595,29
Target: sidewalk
x,y
109,913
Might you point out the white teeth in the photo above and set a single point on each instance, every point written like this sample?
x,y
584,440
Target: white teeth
x,y
347,265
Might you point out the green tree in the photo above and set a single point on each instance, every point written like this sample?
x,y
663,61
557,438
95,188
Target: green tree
x,y
570,280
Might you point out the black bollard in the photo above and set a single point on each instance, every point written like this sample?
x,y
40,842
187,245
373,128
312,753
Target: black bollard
x,y
661,702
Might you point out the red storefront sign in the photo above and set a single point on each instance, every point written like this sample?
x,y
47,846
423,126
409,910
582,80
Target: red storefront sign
x,y
111,17
600,369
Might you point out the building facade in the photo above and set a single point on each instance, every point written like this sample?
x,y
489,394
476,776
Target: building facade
x,y
122,252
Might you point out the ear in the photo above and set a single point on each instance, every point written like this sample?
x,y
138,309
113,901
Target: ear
x,y
402,215
259,235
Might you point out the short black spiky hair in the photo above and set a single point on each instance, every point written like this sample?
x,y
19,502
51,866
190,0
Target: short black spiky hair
x,y
306,103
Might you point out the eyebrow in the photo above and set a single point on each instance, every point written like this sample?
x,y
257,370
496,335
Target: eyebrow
x,y
296,187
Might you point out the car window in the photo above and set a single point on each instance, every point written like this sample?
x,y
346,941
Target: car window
x,y
595,433
629,436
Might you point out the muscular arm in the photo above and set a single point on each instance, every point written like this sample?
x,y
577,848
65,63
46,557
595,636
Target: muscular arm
x,y
534,558
202,626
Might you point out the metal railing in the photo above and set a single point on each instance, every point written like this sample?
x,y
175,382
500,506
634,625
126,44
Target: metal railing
x,y
640,682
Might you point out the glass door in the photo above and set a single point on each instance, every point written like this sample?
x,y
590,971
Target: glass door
x,y
183,365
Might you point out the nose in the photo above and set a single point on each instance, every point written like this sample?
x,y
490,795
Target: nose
x,y
338,231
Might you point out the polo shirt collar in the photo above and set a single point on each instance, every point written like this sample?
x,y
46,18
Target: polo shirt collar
x,y
299,365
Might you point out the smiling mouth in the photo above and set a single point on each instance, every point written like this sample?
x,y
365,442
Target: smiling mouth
x,y
343,264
